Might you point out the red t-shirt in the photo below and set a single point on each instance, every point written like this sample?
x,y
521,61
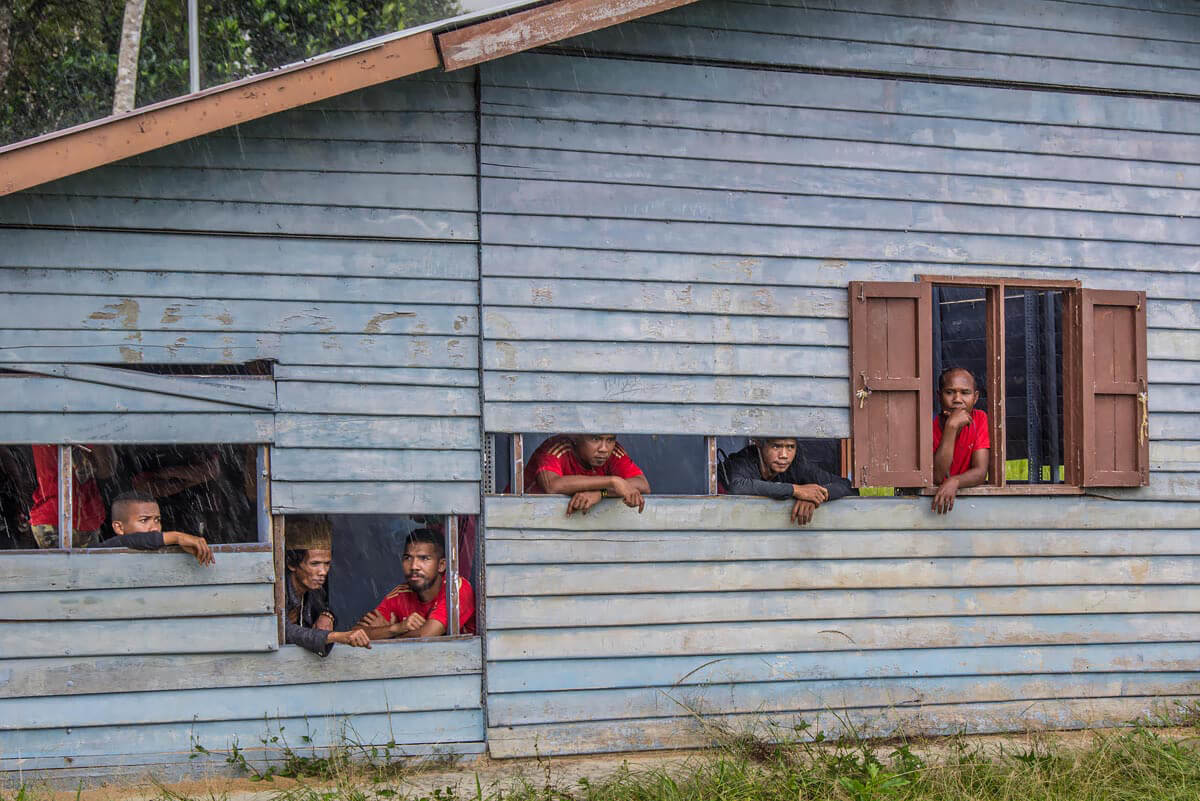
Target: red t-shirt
x,y
557,455
971,437
402,602
88,507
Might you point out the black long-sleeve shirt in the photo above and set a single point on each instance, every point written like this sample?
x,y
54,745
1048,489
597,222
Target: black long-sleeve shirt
x,y
740,475
140,541
306,609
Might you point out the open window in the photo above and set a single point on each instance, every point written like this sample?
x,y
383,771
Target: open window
x,y
1061,372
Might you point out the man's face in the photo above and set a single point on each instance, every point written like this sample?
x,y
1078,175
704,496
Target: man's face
x,y
422,567
777,454
314,569
138,518
959,392
593,450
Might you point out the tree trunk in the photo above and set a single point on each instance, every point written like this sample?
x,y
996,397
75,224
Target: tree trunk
x,y
127,60
6,22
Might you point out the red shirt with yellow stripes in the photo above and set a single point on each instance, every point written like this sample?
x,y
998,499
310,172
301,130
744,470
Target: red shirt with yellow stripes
x,y
557,455
402,602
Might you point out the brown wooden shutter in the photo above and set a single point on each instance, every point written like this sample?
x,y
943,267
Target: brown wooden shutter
x,y
891,384
1114,402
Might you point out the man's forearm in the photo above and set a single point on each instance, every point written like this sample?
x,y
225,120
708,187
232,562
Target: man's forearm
x,y
380,632
569,485
943,457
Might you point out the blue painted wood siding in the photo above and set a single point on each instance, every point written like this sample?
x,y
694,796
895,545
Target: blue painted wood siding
x,y
615,630
337,239
666,244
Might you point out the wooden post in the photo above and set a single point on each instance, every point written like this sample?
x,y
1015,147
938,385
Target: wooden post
x,y
262,485
711,447
996,381
452,573
66,497
518,464
277,535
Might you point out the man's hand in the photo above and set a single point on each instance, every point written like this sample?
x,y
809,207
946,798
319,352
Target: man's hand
x,y
813,493
324,622
943,501
956,421
356,637
582,501
629,494
374,620
196,546
411,623
802,512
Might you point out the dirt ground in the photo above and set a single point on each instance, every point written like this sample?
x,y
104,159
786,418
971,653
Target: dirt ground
x,y
499,773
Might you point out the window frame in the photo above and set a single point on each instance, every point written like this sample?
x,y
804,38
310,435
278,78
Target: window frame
x,y
66,504
994,287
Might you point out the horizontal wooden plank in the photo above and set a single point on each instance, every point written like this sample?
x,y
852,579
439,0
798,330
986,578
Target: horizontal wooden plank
x,y
1182,456
1172,397
413,694
687,130
328,397
175,347
664,80
348,431
353,464
514,323
109,312
294,186
541,675
882,180
237,217
784,48
550,546
375,497
666,418
753,102
418,376
689,732
733,513
1025,571
749,241
378,729
666,296
104,569
669,606
47,395
834,274
139,636
838,635
283,153
291,664
373,126
631,388
1163,487
259,256
665,359
158,602
808,697
1174,426
563,198
144,428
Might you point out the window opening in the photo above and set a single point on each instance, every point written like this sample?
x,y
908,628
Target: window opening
x,y
214,491
1033,387
367,570
675,464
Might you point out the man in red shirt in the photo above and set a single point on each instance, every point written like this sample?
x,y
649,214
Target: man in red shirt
x,y
419,607
587,467
87,508
960,459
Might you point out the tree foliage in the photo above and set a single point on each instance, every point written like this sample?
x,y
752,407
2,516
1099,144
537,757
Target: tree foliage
x,y
58,58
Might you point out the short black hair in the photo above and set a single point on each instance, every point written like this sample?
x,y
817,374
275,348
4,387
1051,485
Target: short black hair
x,y
129,498
949,371
427,536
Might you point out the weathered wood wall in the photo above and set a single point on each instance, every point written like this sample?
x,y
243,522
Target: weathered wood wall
x,y
671,211
612,631
338,240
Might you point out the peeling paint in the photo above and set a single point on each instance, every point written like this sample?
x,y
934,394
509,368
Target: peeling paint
x,y
130,355
375,324
171,314
126,311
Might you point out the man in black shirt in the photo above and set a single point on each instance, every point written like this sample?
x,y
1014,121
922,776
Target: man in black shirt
x,y
137,523
772,466
308,622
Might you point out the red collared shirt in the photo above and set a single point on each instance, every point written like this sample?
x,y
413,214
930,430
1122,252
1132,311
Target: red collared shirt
x,y
557,455
972,437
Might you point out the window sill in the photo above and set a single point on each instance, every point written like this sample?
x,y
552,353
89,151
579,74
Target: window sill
x,y
1015,489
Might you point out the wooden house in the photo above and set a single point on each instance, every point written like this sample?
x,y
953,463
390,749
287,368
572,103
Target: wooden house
x,y
650,217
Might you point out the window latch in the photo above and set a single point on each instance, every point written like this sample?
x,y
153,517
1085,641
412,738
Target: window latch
x,y
863,393
1144,406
